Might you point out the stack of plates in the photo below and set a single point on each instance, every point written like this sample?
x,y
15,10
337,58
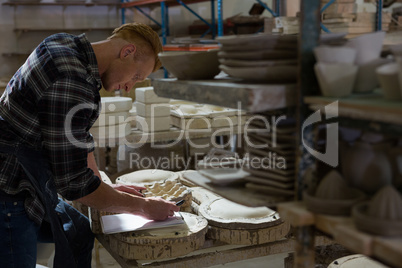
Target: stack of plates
x,y
271,155
259,57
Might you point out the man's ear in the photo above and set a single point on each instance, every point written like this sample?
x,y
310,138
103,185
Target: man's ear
x,y
127,50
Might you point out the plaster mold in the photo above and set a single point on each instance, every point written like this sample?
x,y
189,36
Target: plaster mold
x,y
382,215
333,196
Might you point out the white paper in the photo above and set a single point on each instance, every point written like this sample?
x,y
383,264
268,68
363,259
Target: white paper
x,y
127,222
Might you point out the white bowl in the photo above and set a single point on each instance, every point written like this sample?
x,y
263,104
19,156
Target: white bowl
x,y
388,77
366,79
335,54
368,46
335,79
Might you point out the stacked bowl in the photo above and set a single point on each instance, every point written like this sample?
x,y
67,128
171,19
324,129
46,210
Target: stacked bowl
x,y
259,57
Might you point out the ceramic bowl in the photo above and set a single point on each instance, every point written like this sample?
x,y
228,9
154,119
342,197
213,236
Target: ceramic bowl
x,y
388,78
366,79
335,54
187,65
368,46
335,79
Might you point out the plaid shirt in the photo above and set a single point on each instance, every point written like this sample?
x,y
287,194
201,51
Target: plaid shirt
x,y
58,85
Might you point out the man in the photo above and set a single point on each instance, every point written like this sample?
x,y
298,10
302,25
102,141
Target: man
x,y
41,155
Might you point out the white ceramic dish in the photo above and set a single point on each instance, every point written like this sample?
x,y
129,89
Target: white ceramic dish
x,y
285,73
146,176
224,175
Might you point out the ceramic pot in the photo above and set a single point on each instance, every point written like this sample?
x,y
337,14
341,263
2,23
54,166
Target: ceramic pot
x,y
389,81
366,166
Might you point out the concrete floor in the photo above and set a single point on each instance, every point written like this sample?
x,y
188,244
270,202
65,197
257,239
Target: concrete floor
x,y
45,257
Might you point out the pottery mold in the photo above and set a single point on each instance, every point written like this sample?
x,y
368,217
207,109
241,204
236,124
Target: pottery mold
x,y
389,81
335,79
335,54
366,78
366,166
333,196
368,46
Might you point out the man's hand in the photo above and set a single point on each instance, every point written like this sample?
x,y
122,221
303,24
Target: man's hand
x,y
130,189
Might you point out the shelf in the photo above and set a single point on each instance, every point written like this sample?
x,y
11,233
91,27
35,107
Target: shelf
x,y
138,137
342,229
253,98
157,2
370,107
24,30
72,3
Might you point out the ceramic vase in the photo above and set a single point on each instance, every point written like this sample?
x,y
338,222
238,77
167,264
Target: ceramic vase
x,y
366,166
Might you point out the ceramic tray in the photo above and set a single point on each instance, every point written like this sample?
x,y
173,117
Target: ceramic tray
x,y
258,55
224,176
268,73
269,189
250,39
255,63
227,214
146,176
264,181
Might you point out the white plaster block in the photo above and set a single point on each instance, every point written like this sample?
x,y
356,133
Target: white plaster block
x,y
153,124
116,104
147,95
153,110
111,119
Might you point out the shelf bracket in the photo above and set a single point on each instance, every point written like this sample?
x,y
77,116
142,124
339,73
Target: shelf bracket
x,y
325,29
198,16
148,16
273,13
379,15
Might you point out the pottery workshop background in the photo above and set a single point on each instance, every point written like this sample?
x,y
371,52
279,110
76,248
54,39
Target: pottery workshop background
x,y
15,43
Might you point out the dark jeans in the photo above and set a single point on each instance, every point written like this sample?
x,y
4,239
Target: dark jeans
x,y
19,235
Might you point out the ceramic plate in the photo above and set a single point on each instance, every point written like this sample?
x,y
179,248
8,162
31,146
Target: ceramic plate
x,y
247,39
258,55
272,183
268,73
256,63
268,189
224,175
269,174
